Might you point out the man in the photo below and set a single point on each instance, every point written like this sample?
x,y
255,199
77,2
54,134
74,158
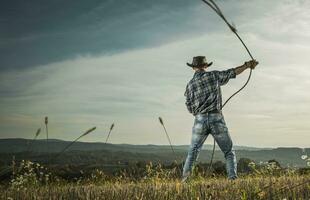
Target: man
x,y
204,101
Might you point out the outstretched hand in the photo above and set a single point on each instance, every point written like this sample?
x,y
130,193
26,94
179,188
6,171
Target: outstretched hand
x,y
251,64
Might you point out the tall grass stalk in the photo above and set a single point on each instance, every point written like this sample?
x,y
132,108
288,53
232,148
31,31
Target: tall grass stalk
x,y
175,155
112,126
32,141
71,143
47,145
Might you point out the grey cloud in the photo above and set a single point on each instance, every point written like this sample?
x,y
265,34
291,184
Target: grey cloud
x,y
35,33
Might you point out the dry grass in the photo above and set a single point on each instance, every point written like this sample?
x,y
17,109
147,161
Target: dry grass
x,y
220,188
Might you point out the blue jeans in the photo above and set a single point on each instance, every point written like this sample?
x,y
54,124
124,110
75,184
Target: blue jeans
x,y
214,124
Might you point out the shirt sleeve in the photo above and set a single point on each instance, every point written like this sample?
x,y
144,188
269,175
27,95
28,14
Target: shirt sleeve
x,y
188,99
224,76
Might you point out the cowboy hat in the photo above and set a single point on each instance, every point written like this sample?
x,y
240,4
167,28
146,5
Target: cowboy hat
x,y
199,62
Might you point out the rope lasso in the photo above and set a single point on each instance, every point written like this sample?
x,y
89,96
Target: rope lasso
x,y
218,11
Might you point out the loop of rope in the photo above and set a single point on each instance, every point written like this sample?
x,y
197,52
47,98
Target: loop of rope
x,y
218,11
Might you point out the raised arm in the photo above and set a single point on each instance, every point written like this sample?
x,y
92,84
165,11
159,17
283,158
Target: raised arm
x,y
250,64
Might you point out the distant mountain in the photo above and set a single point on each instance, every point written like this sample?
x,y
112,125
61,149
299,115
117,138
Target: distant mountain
x,y
89,153
19,145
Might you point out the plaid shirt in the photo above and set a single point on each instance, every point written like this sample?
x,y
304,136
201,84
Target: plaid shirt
x,y
203,92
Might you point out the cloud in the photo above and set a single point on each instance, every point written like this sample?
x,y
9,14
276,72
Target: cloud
x,y
143,74
35,34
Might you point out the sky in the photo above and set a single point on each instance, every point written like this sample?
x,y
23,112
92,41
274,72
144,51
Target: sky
x,y
95,63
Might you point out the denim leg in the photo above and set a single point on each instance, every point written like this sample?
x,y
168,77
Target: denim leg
x,y
221,135
199,135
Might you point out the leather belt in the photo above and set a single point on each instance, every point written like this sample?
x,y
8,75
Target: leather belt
x,y
215,111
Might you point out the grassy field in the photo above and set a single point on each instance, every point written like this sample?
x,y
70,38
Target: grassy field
x,y
27,179
31,180
250,187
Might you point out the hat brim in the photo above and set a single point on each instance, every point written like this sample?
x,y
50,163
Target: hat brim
x,y
200,66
